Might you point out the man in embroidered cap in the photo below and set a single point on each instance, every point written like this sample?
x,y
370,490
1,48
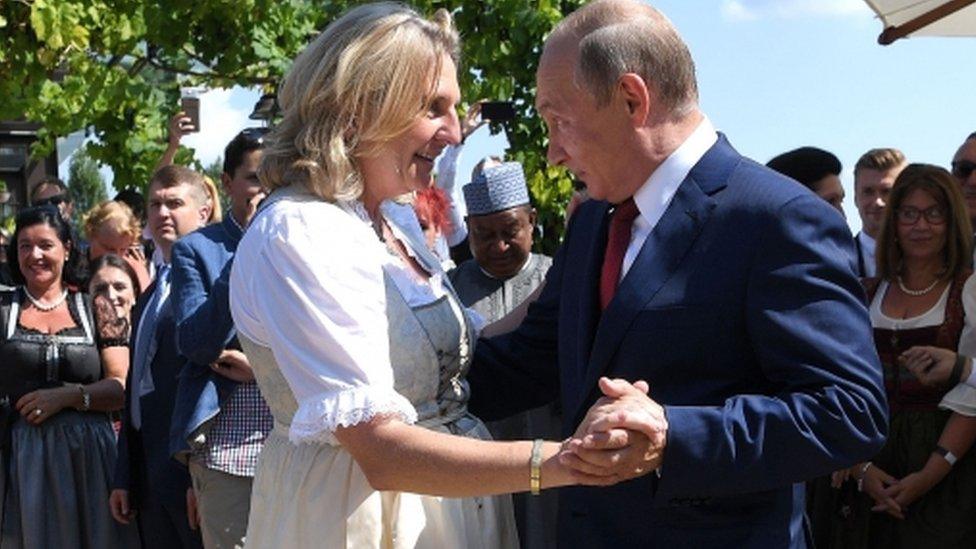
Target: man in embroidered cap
x,y
501,280
504,271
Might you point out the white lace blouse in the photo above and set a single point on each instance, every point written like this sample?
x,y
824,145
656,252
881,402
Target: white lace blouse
x,y
307,282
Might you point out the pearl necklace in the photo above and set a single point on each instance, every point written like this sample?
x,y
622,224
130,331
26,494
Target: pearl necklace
x,y
916,293
45,307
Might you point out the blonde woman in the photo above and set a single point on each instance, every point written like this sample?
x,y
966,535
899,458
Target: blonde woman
x,y
216,210
112,228
356,338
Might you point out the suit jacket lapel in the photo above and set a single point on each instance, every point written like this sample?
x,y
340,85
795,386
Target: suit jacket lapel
x,y
657,260
595,245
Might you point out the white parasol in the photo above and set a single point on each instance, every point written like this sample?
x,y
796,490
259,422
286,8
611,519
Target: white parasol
x,y
903,18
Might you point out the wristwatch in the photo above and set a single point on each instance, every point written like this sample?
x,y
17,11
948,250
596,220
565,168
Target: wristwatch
x,y
950,458
85,399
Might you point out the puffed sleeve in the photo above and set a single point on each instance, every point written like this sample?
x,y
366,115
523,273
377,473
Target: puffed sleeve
x,y
314,294
962,398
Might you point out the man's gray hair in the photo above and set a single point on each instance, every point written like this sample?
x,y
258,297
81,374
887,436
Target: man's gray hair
x,y
619,37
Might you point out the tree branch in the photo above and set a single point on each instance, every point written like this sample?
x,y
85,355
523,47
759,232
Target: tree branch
x,y
208,75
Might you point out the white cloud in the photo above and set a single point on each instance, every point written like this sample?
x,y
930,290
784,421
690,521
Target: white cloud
x,y
734,10
747,10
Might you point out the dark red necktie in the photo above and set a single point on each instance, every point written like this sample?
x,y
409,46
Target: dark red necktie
x,y
618,239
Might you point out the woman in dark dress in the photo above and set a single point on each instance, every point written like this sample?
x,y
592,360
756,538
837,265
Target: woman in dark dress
x,y
915,493
56,389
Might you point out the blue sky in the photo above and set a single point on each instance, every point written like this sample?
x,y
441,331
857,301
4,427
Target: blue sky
x,y
775,75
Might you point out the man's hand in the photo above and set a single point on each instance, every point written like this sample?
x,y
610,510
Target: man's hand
x,y
234,365
623,434
192,512
472,120
180,125
118,504
253,203
932,365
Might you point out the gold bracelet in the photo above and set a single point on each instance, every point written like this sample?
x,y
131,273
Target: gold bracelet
x,y
535,467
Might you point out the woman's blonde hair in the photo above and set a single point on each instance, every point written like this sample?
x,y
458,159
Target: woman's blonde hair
x,y
939,184
360,84
216,211
113,213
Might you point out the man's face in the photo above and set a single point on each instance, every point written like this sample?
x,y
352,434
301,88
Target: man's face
x,y
871,190
174,212
501,242
53,194
962,169
583,137
243,186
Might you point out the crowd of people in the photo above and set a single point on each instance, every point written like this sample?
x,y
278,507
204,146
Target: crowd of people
x,y
710,359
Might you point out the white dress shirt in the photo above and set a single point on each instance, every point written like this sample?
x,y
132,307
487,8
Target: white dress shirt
x,y
654,196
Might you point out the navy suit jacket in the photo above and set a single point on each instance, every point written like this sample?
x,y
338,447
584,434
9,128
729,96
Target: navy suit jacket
x,y
201,305
144,463
742,312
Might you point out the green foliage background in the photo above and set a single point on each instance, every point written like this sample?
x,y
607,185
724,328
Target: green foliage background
x,y
116,67
85,184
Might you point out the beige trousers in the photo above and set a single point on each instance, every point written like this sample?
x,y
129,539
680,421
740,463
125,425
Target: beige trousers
x,y
223,501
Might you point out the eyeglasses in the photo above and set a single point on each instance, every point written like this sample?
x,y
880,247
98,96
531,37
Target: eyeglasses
x,y
910,215
962,169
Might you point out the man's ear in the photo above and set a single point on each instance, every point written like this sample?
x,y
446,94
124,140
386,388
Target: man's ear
x,y
632,89
225,180
204,211
532,216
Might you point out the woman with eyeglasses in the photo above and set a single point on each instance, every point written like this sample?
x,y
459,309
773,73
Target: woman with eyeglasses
x,y
61,372
920,491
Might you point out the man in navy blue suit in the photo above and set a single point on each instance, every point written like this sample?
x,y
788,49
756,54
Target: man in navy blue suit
x,y
220,420
149,484
722,285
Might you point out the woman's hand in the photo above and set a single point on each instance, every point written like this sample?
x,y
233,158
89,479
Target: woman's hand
x,y
118,504
874,484
40,405
111,323
557,472
910,488
931,365
838,478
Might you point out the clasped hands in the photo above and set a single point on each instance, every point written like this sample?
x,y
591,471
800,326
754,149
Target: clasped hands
x,y
623,436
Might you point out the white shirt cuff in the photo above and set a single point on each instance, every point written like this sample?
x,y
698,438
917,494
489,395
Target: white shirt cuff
x,y
971,380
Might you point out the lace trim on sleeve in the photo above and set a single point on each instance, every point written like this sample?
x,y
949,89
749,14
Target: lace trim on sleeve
x,y
318,416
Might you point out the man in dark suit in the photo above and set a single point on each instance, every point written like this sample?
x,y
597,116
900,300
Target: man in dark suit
x,y
220,420
148,482
723,285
